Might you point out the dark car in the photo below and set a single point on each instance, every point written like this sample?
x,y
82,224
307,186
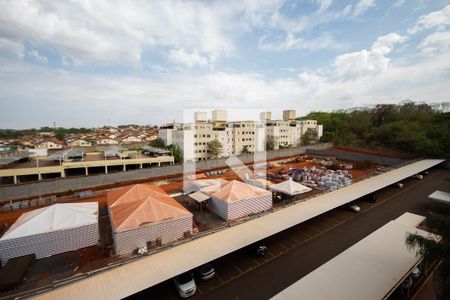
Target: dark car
x,y
205,272
258,250
372,198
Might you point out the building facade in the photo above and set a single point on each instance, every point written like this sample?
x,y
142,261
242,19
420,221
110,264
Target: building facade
x,y
236,137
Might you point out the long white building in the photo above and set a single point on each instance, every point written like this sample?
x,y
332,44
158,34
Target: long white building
x,y
236,137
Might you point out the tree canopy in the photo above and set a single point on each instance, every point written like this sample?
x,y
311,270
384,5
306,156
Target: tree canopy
x,y
433,251
157,143
176,152
214,148
415,128
309,137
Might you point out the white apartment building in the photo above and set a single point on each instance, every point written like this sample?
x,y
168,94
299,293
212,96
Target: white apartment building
x,y
235,137
283,133
310,124
248,135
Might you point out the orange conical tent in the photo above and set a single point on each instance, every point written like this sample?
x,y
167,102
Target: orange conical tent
x,y
141,204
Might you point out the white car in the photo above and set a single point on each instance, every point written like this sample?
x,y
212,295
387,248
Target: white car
x,y
399,185
417,176
353,207
185,284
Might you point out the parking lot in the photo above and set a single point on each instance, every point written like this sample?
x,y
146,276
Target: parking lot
x,y
233,266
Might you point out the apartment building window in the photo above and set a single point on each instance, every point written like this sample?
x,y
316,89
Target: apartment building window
x,y
195,135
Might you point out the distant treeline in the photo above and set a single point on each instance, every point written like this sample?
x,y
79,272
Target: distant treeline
x,y
420,129
59,132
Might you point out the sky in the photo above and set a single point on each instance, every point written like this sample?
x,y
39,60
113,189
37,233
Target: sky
x,y
93,63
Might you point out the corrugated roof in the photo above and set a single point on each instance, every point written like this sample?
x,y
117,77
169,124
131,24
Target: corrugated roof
x,y
156,150
13,158
199,196
140,204
133,277
370,269
52,218
440,196
64,154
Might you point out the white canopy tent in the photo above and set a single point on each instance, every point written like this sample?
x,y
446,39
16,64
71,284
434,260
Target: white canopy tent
x,y
53,218
290,188
440,196
51,230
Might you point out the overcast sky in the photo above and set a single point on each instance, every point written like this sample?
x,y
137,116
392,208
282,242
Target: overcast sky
x,y
94,63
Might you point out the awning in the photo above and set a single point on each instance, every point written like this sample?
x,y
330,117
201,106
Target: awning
x,y
440,196
199,197
290,187
370,269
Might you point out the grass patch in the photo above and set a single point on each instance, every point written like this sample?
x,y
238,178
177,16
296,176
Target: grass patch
x,y
447,178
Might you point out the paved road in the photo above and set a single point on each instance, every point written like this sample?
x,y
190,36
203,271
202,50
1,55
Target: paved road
x,y
301,249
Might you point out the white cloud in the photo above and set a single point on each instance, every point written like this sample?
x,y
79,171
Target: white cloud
x,y
11,49
121,32
34,54
362,6
100,97
291,41
437,19
436,42
367,62
399,3
323,5
190,60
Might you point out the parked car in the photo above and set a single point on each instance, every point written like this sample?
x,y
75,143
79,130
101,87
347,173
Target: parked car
x,y
372,198
185,284
399,185
416,273
417,176
258,250
205,272
353,207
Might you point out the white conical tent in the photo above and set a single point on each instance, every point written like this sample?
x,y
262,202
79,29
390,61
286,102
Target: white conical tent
x,y
53,218
290,188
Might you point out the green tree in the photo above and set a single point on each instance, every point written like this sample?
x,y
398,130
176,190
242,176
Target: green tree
x,y
157,143
409,127
434,251
60,135
176,152
245,149
214,148
270,143
309,137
